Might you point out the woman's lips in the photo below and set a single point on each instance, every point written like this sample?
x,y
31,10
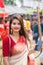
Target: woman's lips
x,y
16,28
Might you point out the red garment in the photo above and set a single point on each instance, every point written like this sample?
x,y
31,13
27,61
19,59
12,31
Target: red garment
x,y
1,4
3,32
7,26
13,43
31,61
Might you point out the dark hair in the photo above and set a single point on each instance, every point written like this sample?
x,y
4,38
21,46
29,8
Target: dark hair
x,y
1,19
18,17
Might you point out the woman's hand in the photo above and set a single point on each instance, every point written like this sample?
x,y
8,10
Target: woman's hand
x,y
42,47
5,61
32,46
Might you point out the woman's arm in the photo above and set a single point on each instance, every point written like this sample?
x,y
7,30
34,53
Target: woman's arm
x,y
5,60
41,47
5,50
32,47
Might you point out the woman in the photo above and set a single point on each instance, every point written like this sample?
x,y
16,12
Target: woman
x,y
14,45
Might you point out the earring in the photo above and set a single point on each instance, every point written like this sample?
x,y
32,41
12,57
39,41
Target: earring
x,y
11,31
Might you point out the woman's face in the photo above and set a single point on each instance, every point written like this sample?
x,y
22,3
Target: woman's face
x,y
16,26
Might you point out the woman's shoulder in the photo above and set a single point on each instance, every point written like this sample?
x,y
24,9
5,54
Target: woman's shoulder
x,y
6,37
6,40
23,38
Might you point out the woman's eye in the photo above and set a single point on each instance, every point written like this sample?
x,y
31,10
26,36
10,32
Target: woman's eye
x,y
18,23
14,23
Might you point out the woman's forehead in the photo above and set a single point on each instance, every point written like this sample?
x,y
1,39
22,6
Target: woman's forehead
x,y
15,20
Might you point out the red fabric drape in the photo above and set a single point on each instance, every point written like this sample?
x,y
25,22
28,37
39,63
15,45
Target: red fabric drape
x,y
1,4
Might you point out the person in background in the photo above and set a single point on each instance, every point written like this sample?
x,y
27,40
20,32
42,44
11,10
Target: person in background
x,y
35,29
1,27
1,20
41,23
7,24
27,26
